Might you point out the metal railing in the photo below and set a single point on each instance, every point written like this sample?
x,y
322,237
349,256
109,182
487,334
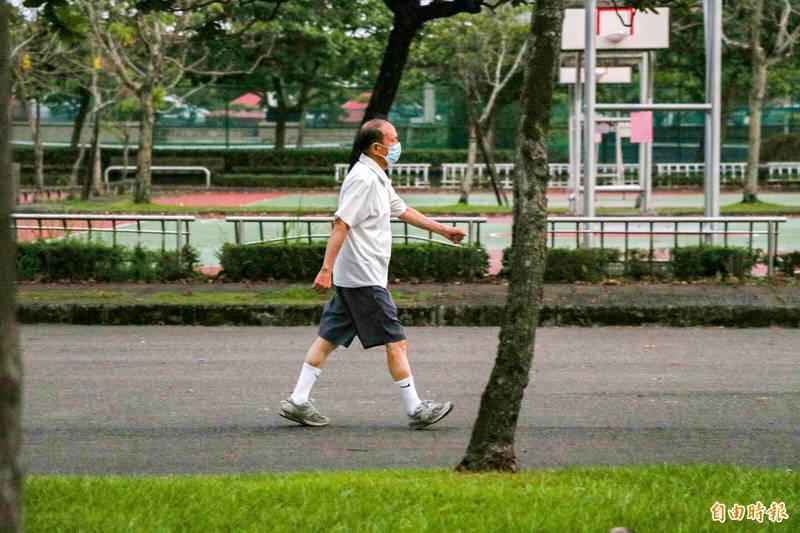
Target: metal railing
x,y
416,175
158,168
783,172
453,173
473,228
651,227
181,225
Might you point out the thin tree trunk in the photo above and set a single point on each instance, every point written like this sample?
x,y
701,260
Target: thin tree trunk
x,y
10,357
756,102
80,118
38,149
77,166
280,127
391,72
32,108
491,446
488,158
466,184
302,105
301,126
126,150
89,172
141,192
281,113
97,161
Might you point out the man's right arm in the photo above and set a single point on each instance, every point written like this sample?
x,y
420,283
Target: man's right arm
x,y
324,280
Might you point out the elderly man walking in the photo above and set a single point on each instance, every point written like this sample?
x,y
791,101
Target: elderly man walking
x,y
356,264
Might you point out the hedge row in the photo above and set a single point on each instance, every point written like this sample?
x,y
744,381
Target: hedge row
x,y
291,161
301,261
566,266
75,260
295,181
686,263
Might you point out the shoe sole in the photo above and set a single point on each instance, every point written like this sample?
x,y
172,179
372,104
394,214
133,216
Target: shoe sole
x,y
294,418
420,426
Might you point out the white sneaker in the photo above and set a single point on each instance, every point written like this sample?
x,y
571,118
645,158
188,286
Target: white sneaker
x,y
429,412
305,414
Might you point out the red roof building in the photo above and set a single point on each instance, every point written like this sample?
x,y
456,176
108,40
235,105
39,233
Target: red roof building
x,y
355,108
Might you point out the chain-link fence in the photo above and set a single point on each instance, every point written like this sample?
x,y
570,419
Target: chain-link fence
x,y
223,117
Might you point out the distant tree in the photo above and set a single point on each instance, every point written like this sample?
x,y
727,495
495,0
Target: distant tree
x,y
37,60
318,50
409,17
151,52
483,53
770,31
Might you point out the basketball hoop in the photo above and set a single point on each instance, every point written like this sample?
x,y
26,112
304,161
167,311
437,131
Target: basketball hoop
x,y
615,36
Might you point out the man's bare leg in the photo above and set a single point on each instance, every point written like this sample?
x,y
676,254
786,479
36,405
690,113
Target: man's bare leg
x,y
400,370
319,351
315,357
422,413
398,360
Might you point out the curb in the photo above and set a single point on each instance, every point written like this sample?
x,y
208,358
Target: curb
x,y
740,316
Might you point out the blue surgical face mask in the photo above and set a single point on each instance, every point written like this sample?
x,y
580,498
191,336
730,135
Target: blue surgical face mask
x,y
394,153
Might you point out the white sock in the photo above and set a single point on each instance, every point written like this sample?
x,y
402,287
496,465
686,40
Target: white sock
x,y
308,375
408,394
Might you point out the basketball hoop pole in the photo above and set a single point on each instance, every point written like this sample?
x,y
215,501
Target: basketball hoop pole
x,y
589,168
712,15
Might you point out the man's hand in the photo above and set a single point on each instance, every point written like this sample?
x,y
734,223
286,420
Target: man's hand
x,y
456,234
323,281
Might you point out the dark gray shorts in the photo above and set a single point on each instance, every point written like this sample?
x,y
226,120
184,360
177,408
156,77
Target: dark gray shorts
x,y
368,312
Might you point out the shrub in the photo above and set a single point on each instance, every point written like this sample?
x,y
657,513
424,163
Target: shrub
x,y
566,265
638,265
781,147
77,260
691,262
301,261
789,262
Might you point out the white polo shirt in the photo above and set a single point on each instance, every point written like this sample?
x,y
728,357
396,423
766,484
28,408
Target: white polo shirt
x,y
366,203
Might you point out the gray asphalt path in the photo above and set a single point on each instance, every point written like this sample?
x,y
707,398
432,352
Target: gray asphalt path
x,y
138,400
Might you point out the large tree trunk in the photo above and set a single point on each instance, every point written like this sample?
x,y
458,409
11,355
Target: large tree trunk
x,y
756,102
141,192
10,356
491,446
466,183
391,72
80,118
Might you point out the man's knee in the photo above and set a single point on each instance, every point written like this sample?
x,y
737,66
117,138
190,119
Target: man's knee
x,y
396,349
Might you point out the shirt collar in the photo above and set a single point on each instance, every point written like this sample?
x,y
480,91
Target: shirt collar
x,y
375,167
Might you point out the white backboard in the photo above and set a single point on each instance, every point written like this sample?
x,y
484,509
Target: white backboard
x,y
614,31
602,75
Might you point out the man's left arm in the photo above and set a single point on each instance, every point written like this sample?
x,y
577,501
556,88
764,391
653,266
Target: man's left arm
x,y
415,218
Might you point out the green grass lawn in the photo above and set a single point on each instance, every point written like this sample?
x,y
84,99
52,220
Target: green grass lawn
x,y
740,209
124,204
291,294
646,498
